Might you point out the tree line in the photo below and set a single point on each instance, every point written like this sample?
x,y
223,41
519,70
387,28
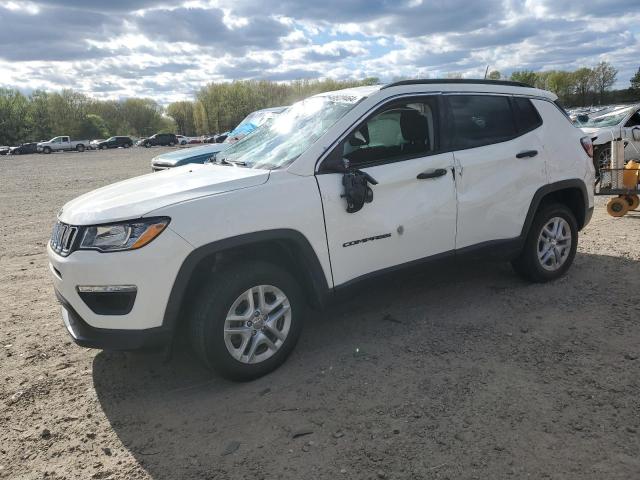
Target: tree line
x,y
218,107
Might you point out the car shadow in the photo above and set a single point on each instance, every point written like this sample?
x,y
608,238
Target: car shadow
x,y
401,345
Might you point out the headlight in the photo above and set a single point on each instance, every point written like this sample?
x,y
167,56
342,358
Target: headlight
x,y
122,236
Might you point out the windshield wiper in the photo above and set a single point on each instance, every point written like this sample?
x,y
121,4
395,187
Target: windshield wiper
x,y
224,161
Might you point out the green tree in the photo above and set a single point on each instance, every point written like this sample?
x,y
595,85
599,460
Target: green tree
x,y
584,80
635,81
38,120
494,75
92,127
525,76
604,77
13,111
183,114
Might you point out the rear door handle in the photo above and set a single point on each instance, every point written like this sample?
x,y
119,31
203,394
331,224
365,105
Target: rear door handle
x,y
433,173
527,154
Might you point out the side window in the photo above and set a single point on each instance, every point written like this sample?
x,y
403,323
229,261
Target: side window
x,y
527,117
634,121
478,120
399,131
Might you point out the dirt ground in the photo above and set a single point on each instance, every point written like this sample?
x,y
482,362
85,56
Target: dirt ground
x,y
461,372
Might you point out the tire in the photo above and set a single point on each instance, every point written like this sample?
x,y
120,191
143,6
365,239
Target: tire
x,y
531,263
80,148
46,150
171,144
633,201
127,145
147,145
601,158
618,207
212,305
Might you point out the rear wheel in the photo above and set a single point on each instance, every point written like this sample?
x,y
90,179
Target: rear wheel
x,y
247,319
171,144
550,246
46,150
80,148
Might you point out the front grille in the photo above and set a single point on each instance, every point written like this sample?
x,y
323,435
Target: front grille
x,y
63,238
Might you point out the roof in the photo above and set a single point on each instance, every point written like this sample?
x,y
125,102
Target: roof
x,y
436,81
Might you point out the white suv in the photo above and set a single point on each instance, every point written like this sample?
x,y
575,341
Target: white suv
x,y
339,188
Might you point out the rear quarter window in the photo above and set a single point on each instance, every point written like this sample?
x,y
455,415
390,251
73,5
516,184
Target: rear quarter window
x,y
527,117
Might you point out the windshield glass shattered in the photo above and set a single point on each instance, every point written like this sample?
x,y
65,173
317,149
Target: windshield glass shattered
x,y
609,120
279,142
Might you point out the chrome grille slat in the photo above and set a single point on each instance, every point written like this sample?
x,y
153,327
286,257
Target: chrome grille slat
x,y
63,238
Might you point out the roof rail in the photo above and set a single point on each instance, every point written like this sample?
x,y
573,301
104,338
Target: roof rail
x,y
431,81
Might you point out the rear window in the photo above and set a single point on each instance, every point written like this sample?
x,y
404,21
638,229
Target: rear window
x,y
478,120
527,117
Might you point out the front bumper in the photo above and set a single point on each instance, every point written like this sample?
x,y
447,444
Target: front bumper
x,y
110,339
151,269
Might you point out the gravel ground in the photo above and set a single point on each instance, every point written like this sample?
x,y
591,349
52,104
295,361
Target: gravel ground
x,y
464,371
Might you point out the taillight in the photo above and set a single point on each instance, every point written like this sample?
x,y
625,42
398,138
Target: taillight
x,y
587,145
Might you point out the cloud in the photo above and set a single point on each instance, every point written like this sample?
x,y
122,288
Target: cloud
x,y
167,50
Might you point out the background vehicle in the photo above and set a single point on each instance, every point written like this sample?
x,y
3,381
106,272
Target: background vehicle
x,y
24,149
93,143
342,187
62,143
611,125
165,139
202,154
115,142
185,156
4,150
182,140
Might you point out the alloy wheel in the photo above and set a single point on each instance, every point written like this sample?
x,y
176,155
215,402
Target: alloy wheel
x,y
554,244
257,324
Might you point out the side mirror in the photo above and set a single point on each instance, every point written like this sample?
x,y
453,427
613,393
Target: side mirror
x,y
635,134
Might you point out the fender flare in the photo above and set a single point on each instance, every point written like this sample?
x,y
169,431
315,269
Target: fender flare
x,y
309,263
556,187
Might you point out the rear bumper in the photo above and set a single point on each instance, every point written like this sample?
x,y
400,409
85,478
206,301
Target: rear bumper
x,y
110,339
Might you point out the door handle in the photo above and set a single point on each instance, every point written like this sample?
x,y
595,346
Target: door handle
x,y
433,173
527,154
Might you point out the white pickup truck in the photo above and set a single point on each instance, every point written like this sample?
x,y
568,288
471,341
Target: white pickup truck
x,y
62,144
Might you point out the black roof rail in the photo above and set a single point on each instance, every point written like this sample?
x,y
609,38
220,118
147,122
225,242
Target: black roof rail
x,y
466,81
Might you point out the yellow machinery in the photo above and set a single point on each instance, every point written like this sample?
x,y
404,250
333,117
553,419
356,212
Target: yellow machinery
x,y
621,180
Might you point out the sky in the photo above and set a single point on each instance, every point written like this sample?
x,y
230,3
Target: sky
x,y
167,50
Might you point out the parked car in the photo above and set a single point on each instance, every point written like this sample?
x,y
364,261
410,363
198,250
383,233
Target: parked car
x,y
114,142
185,156
201,155
182,140
24,149
342,187
4,150
93,144
616,123
62,143
165,139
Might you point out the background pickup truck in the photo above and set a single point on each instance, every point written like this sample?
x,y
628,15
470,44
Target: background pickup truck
x,y
62,143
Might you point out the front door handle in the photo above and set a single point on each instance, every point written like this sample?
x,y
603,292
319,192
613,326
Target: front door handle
x,y
433,173
527,154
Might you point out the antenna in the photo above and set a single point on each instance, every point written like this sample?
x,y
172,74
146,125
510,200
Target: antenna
x,y
486,72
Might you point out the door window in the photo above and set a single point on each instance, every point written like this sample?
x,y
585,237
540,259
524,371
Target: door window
x,y
477,120
399,131
634,121
527,117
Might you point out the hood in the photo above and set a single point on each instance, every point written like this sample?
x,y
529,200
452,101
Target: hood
x,y
138,196
175,157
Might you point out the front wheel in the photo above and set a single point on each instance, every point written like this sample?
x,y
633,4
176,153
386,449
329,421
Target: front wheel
x,y
247,319
171,144
46,150
550,246
601,158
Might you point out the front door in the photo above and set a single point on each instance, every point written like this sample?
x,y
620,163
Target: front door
x,y
412,214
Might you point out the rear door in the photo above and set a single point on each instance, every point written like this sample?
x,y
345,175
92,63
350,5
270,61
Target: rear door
x,y
412,214
500,161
